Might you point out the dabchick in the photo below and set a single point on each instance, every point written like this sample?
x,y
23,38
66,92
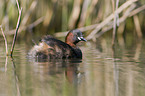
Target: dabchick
x,y
52,48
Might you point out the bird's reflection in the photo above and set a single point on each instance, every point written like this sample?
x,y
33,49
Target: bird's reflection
x,y
55,71
72,72
70,69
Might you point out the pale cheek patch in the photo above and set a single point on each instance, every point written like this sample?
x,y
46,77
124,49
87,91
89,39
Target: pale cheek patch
x,y
79,38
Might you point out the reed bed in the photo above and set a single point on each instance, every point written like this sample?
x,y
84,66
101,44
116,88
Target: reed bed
x,y
94,17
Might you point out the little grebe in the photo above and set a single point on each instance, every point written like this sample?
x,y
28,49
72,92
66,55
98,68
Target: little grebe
x,y
51,48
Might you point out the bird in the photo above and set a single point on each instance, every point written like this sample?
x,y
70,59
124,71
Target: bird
x,y
52,48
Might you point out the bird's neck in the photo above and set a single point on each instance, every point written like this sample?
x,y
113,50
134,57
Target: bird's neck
x,y
69,40
71,44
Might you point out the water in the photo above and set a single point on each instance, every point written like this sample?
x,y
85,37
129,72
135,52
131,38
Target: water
x,y
101,72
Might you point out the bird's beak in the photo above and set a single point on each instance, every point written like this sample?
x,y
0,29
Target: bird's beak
x,y
82,39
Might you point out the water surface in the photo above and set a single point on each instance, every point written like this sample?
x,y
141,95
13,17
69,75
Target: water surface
x,y
102,72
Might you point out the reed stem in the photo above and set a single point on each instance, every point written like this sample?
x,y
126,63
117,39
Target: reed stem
x,y
17,27
5,40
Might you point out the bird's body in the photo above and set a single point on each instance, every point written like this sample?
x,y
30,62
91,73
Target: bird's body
x,y
52,48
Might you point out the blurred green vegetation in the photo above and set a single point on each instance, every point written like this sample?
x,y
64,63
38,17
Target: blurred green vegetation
x,y
60,15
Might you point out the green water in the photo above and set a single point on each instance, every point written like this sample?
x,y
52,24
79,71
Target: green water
x,y
101,72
